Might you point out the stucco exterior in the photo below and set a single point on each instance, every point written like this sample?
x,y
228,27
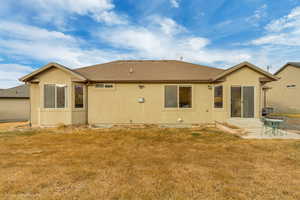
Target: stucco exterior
x,y
243,77
119,105
41,116
282,98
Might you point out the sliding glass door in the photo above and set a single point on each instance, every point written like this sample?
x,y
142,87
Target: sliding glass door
x,y
242,101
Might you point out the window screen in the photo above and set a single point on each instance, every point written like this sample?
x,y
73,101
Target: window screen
x,y
49,96
218,97
55,96
78,96
99,85
171,96
61,96
185,96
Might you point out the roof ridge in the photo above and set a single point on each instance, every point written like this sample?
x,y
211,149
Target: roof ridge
x,y
120,61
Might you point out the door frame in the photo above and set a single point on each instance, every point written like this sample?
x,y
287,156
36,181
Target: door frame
x,y
242,108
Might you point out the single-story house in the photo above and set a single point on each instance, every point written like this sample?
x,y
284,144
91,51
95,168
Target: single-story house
x,y
14,104
284,95
144,91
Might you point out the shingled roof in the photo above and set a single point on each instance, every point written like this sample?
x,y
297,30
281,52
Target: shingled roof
x,y
149,71
21,92
154,71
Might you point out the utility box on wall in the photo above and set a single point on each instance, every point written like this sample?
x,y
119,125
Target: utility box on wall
x,y
141,100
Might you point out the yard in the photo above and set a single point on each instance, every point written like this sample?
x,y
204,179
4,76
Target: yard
x,y
150,163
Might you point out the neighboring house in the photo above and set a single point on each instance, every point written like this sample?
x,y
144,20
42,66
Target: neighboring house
x,y
150,91
14,104
284,95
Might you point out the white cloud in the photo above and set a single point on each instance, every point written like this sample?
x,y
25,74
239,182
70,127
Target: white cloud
x,y
259,13
10,73
56,11
174,3
167,25
164,40
283,31
280,43
43,45
292,20
166,43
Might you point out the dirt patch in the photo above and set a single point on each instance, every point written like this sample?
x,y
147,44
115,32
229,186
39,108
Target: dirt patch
x,y
13,125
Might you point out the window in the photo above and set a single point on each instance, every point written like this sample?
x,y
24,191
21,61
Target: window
x,y
291,86
78,96
185,96
218,97
49,96
55,96
104,85
171,96
178,96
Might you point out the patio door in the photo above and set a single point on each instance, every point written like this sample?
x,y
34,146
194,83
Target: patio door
x,y
242,101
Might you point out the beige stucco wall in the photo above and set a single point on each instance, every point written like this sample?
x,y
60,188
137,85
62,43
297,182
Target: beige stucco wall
x,y
120,105
14,109
283,99
35,104
54,116
243,77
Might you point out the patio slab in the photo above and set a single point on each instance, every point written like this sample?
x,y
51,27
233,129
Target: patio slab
x,y
254,127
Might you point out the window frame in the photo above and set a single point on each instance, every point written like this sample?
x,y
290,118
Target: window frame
x,y
104,86
55,96
222,97
291,86
178,97
83,94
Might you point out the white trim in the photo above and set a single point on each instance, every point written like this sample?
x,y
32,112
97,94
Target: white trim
x,y
242,97
55,97
45,67
213,95
178,108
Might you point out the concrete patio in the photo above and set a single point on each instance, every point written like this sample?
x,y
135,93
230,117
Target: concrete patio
x,y
254,127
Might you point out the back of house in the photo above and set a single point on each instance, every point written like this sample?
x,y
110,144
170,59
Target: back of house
x,y
284,95
145,92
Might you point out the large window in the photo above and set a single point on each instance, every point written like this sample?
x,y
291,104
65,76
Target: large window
x,y
78,96
218,97
178,96
55,96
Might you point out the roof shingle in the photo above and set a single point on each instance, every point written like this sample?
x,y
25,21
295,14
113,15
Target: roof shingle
x,y
21,91
149,70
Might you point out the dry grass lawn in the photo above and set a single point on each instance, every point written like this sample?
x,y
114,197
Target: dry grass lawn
x,y
173,164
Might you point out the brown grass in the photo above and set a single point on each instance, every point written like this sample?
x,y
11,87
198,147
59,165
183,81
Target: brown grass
x,y
146,164
10,125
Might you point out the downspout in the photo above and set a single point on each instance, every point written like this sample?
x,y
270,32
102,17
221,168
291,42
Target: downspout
x,y
87,103
30,120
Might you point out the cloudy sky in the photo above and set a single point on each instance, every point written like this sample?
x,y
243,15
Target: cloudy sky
x,y
218,33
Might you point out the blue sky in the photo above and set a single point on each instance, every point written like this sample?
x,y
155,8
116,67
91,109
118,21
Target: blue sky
x,y
219,33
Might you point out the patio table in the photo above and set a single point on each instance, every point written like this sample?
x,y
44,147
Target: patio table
x,y
273,125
